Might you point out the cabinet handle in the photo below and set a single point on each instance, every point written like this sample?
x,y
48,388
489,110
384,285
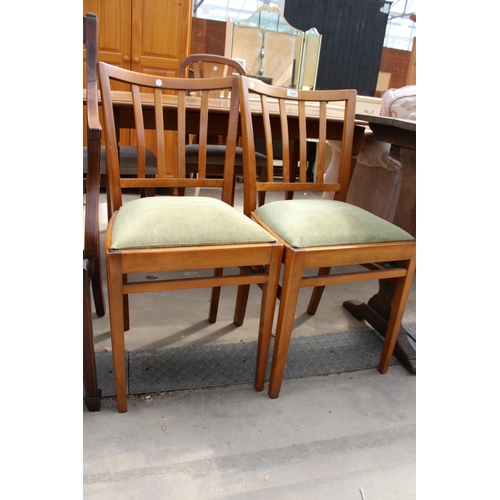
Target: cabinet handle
x,y
125,59
136,59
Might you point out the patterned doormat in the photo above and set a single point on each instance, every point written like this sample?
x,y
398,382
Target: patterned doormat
x,y
158,370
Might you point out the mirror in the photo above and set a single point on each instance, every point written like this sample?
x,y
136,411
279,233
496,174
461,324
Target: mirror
x,y
269,48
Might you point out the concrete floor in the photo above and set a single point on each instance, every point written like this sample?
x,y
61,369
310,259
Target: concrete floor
x,y
342,436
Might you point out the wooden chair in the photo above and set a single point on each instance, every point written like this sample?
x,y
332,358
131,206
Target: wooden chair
x,y
91,254
174,233
213,66
317,233
132,164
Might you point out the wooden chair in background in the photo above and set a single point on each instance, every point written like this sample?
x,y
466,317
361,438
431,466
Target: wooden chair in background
x,y
181,233
213,66
317,233
91,255
132,163
209,66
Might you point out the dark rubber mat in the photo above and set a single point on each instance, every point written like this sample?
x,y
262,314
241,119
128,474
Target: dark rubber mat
x,y
157,370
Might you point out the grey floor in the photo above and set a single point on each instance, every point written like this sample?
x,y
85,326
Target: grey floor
x,y
348,435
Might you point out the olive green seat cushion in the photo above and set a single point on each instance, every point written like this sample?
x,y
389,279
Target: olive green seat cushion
x,y
178,221
314,223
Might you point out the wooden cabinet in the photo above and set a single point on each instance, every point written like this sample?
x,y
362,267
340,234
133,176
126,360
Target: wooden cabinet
x,y
150,36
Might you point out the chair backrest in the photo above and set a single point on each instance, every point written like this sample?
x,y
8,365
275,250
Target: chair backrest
x,y
94,131
172,106
210,66
285,114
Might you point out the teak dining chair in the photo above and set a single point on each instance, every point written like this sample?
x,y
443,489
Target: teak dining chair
x,y
92,274
174,233
317,233
212,66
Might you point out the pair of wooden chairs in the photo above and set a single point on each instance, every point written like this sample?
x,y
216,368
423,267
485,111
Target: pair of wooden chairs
x,y
172,233
175,233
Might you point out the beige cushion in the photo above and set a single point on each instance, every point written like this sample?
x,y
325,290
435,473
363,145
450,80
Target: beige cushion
x,y
177,221
312,223
400,103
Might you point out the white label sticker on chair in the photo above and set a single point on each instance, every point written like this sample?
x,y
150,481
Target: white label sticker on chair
x,y
159,82
215,68
292,93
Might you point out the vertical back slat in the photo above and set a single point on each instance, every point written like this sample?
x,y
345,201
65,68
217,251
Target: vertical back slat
x,y
181,129
321,152
285,140
203,135
302,141
160,136
268,137
139,128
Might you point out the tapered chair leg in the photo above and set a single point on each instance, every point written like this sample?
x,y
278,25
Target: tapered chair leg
x,y
286,314
214,301
116,321
317,293
126,311
92,391
241,304
268,305
98,290
398,306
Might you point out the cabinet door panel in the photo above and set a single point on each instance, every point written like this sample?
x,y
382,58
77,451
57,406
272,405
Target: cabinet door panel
x,y
114,29
161,34
114,20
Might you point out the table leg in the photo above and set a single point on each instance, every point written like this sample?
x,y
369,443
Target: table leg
x,y
376,312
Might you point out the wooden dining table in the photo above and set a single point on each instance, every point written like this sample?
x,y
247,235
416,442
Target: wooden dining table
x,y
401,134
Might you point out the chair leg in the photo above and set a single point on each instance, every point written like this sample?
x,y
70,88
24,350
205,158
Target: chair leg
x,y
214,301
126,313
398,307
292,276
116,321
92,391
241,304
98,290
317,293
268,304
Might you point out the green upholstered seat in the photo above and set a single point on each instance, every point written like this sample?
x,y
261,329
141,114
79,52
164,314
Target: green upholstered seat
x,y
178,221
313,223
